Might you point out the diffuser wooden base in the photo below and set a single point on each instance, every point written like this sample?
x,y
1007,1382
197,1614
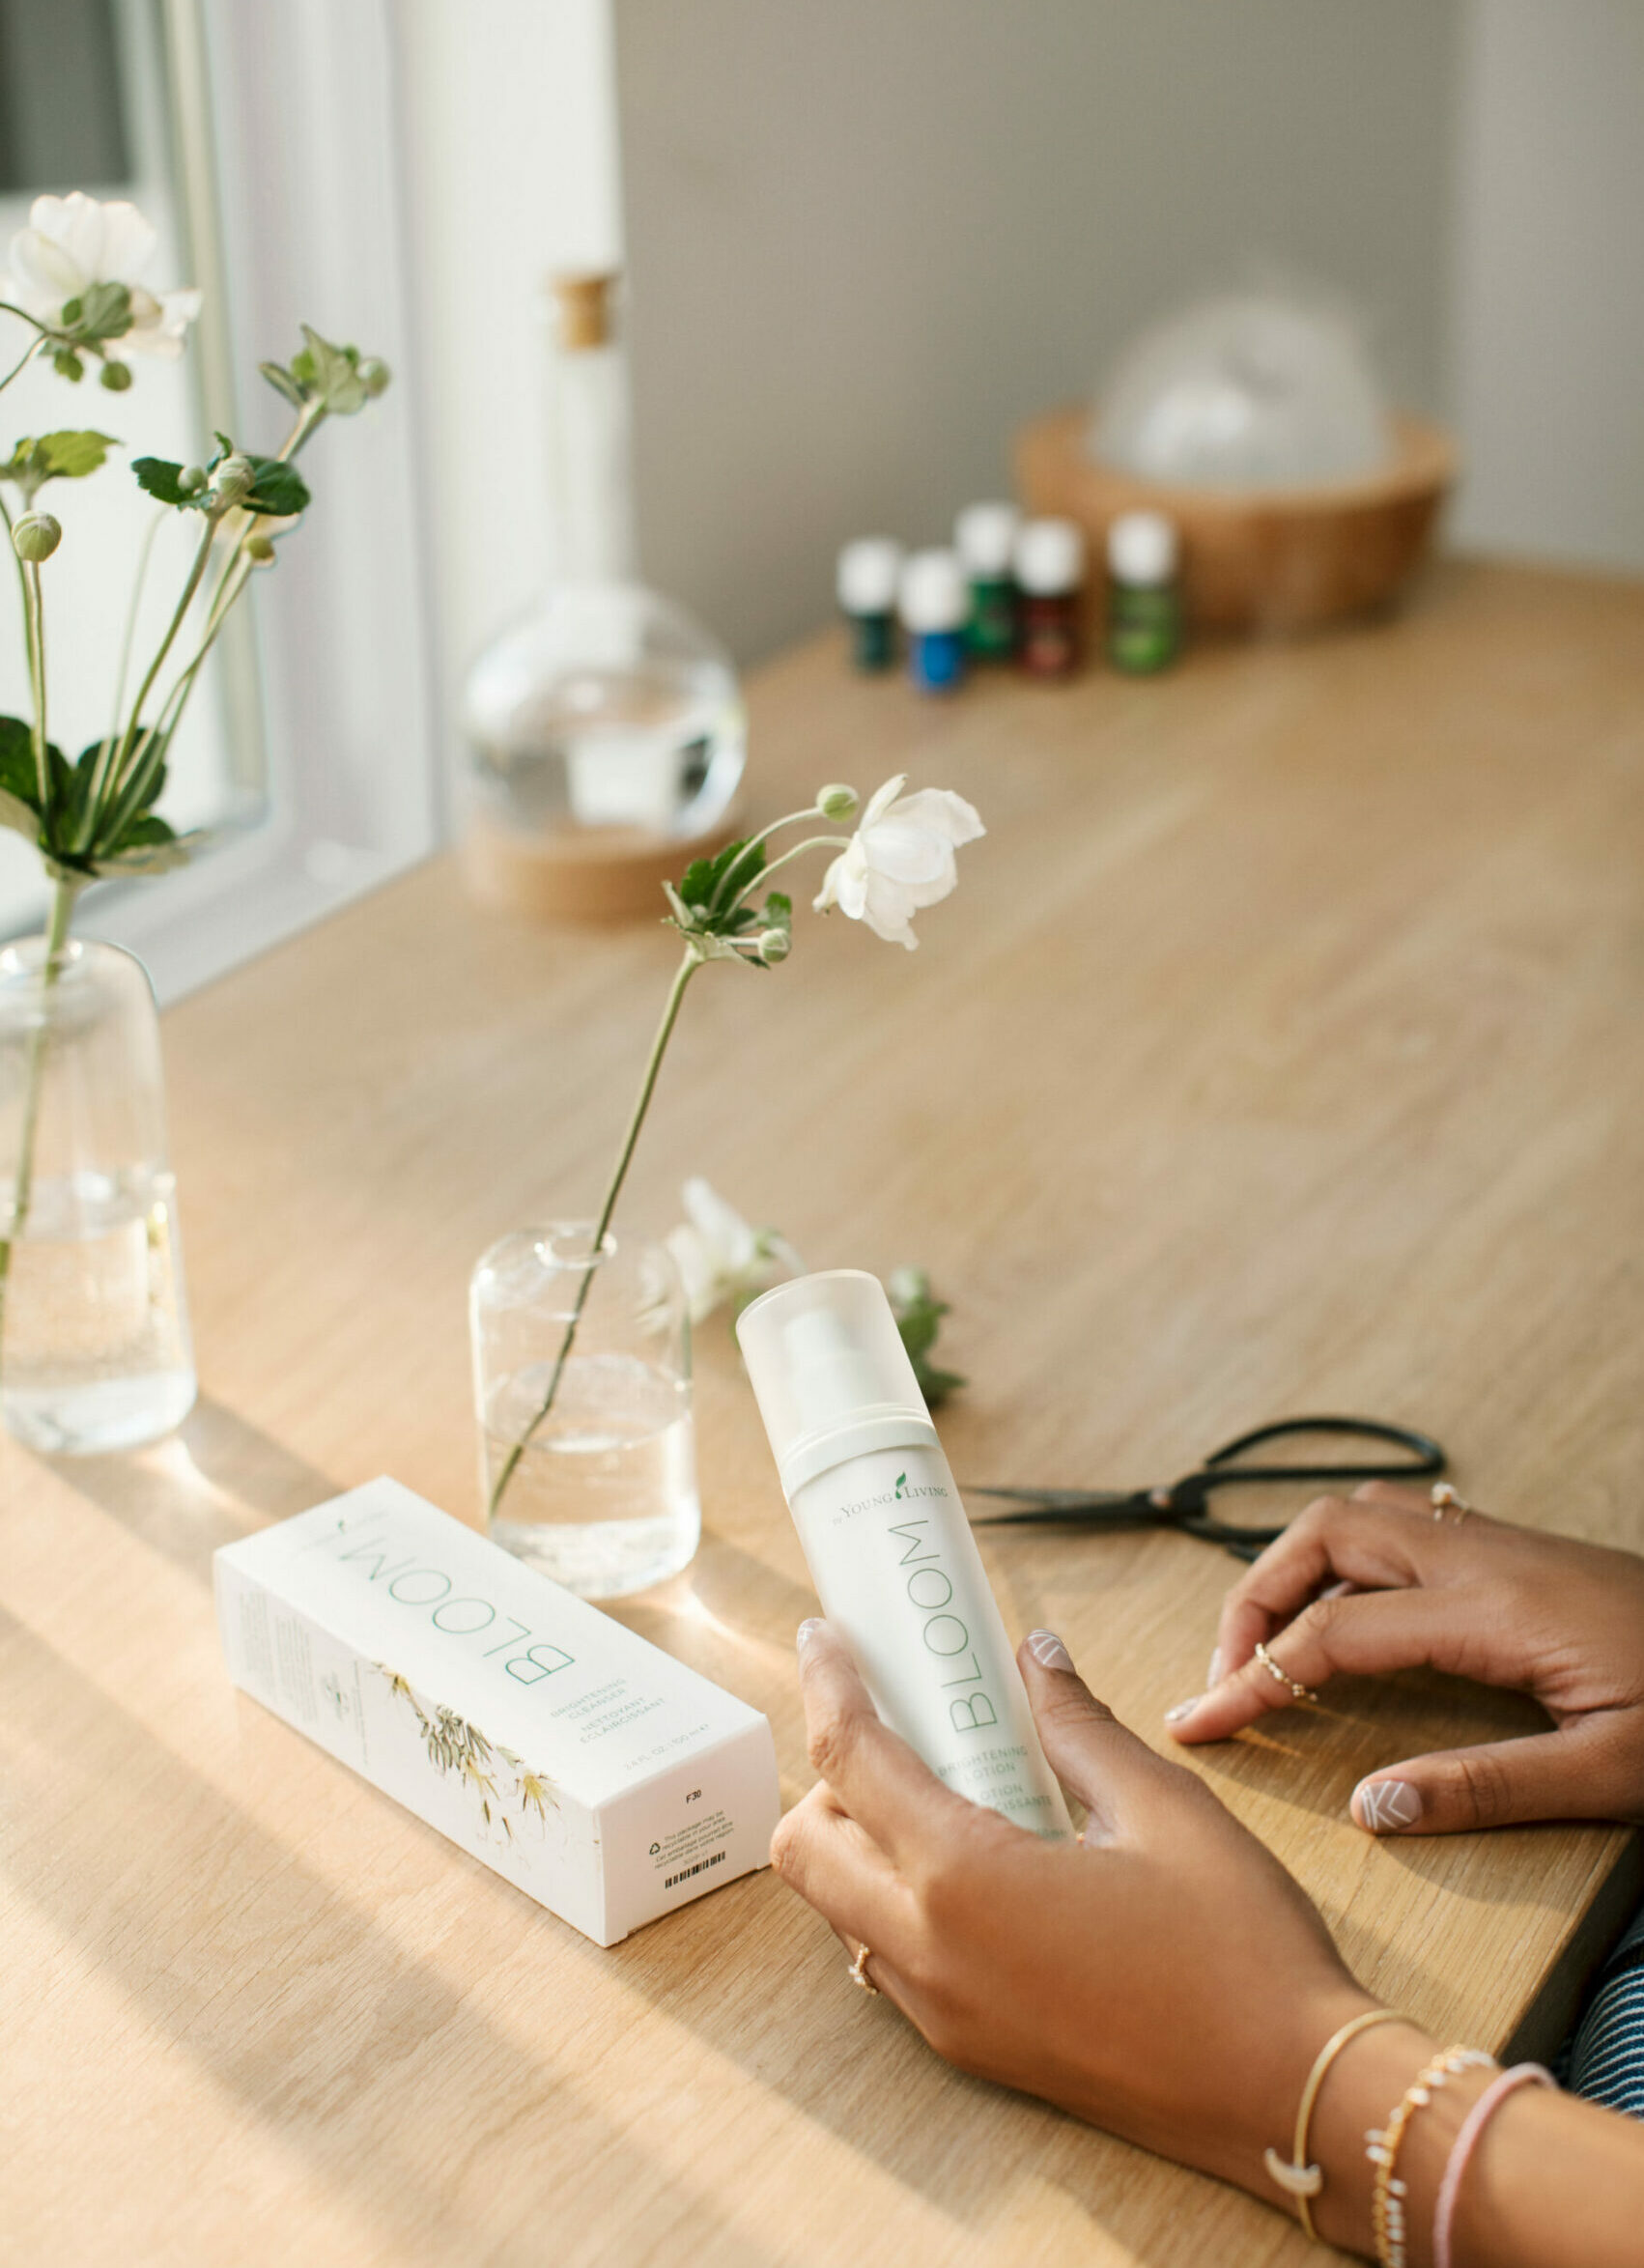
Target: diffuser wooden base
x,y
600,874
1255,559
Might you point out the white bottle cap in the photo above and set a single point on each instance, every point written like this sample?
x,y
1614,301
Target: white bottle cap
x,y
935,593
867,574
984,536
1050,557
830,1373
1142,548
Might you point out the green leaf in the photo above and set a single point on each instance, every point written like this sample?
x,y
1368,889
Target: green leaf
x,y
936,1385
779,911
103,311
697,885
330,374
283,383
149,829
20,817
737,866
280,490
16,761
152,854
71,456
159,477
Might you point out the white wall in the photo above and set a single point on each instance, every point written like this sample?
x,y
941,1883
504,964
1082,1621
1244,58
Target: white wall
x,y
867,240
1548,279
509,131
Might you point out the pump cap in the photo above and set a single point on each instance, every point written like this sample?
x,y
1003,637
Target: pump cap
x,y
935,592
1142,548
830,1373
867,574
1050,557
984,536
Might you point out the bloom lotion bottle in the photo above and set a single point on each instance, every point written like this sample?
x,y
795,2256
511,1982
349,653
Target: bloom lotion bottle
x,y
886,1541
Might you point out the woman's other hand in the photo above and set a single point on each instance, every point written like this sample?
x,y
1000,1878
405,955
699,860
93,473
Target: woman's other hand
x,y
1167,1981
1375,1582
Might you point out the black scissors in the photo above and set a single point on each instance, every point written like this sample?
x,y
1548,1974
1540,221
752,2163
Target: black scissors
x,y
1184,1504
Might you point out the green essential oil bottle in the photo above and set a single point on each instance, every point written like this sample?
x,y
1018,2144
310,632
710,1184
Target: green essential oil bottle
x,y
1143,594
869,573
984,536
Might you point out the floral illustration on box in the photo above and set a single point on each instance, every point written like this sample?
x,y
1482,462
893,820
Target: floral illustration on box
x,y
509,1791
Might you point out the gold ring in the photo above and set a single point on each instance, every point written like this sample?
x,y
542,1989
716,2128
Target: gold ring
x,y
1446,1499
1297,1692
859,1975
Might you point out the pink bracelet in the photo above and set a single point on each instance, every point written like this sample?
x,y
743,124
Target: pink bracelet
x,y
1466,2142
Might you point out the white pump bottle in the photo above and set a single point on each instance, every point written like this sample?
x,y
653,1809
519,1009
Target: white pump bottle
x,y
886,1541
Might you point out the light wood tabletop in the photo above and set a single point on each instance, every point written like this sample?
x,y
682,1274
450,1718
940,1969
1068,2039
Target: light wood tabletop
x,y
1281,1049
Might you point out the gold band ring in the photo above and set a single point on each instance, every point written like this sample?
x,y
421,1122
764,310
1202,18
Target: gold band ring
x,y
1447,1499
859,1975
1297,1692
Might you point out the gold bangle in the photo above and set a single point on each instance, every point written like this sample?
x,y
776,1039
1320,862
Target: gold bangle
x,y
1387,2218
1298,1691
1299,2179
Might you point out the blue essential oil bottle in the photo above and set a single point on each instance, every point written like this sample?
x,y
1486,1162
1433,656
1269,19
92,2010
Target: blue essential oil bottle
x,y
935,605
867,577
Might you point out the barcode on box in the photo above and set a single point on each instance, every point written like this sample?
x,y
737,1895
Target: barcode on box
x,y
701,1867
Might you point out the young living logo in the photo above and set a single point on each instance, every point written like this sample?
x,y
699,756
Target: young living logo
x,y
904,1492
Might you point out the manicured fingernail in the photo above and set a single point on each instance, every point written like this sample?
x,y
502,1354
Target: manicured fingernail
x,y
1385,1807
1213,1675
1339,1590
1048,1651
1182,1709
807,1631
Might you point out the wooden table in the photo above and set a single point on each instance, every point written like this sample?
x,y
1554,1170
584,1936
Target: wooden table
x,y
1281,1049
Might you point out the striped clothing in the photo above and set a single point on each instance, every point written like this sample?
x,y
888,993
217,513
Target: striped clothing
x,y
1604,2057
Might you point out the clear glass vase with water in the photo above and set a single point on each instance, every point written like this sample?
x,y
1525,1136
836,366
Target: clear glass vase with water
x,y
582,1398
94,1351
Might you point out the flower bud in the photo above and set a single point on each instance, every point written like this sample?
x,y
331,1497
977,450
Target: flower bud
x,y
191,480
235,478
260,548
835,800
775,945
908,1286
115,377
36,536
374,374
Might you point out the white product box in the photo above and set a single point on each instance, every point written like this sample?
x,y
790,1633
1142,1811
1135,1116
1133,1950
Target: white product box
x,y
605,1778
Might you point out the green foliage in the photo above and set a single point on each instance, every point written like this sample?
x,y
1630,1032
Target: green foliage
x,y
55,456
919,1315
338,380
278,489
68,834
103,311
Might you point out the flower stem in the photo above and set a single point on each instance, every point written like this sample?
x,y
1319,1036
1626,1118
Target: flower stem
x,y
764,835
33,626
68,890
196,573
812,842
688,968
18,368
100,774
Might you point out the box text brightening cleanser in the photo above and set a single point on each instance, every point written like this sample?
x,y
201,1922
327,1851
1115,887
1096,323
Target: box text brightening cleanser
x,y
606,1780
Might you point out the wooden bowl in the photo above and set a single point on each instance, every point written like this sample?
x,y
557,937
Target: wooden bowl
x,y
1255,559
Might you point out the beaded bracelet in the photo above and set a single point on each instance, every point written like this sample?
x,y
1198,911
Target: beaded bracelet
x,y
1466,2142
1387,2218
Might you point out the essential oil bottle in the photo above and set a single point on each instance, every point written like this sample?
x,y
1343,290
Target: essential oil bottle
x,y
984,536
1144,623
1050,576
867,577
935,603
886,1541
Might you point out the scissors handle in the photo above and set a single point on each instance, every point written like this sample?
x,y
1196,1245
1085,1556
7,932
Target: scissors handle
x,y
1423,1457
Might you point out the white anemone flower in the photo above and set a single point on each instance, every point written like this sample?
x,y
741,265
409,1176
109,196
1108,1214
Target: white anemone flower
x,y
720,1257
74,242
899,859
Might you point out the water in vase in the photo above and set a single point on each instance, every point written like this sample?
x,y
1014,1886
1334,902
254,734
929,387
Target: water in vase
x,y
95,1354
604,1498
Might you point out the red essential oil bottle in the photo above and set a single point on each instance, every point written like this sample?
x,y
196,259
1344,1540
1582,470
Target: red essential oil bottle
x,y
1050,574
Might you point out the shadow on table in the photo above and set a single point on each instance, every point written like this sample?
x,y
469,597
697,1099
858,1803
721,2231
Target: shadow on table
x,y
351,2051
218,1478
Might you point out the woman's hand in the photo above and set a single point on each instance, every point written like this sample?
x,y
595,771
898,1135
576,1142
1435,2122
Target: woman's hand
x,y
1167,1981
1375,1582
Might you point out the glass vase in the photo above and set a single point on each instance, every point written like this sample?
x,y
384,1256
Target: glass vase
x,y
94,1351
582,1396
